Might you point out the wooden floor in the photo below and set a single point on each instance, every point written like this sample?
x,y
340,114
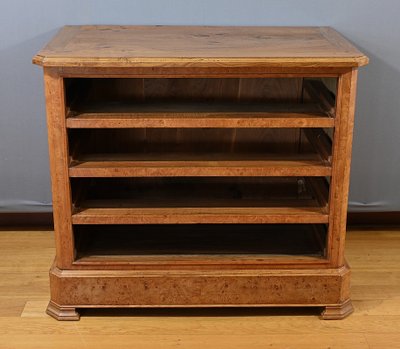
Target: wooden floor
x,y
373,254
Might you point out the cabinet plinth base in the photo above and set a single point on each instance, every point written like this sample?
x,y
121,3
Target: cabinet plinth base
x,y
71,289
62,313
337,312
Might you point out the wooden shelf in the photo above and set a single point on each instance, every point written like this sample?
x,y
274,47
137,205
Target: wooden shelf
x,y
142,245
166,165
192,115
201,200
186,215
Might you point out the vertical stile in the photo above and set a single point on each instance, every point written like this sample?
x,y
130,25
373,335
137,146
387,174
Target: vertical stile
x,y
339,186
59,158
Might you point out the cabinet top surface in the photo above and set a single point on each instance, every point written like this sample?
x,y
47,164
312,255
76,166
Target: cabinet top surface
x,y
182,46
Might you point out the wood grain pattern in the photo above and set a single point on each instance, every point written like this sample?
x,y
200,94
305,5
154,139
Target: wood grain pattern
x,y
76,288
203,72
184,215
180,46
58,152
108,167
341,160
156,115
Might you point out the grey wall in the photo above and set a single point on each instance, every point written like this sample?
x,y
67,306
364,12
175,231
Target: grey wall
x,y
27,25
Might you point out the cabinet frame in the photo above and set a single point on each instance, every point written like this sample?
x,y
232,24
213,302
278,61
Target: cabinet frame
x,y
323,283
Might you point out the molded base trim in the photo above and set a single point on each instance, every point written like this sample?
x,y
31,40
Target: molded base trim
x,y
71,289
62,313
337,312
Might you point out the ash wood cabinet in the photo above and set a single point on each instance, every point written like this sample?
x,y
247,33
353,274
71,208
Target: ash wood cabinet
x,y
199,166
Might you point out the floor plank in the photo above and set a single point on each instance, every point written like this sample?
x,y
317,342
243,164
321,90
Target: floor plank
x,y
25,257
190,341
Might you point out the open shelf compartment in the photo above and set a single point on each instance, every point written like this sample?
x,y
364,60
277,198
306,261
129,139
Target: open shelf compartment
x,y
199,152
199,243
191,200
200,102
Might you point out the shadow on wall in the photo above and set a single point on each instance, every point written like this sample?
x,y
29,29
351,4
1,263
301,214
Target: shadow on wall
x,y
24,169
375,168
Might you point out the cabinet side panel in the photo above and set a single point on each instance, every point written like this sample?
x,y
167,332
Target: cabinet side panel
x,y
342,143
58,152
